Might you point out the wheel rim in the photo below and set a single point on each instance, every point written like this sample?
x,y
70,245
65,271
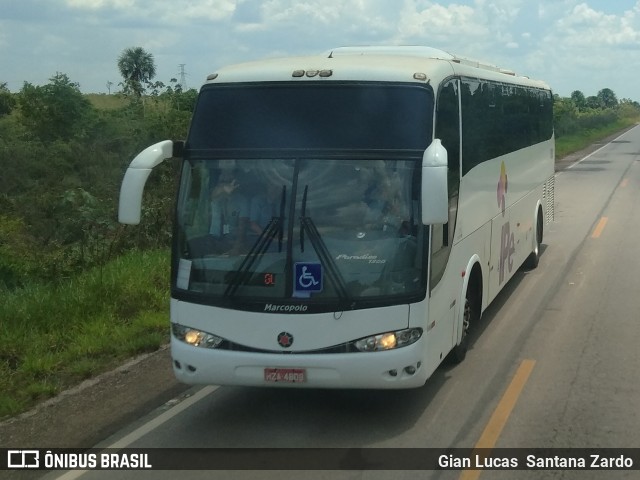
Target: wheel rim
x,y
466,319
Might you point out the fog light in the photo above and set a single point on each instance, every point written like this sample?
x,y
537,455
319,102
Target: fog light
x,y
410,369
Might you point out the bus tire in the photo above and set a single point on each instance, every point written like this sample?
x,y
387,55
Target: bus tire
x,y
469,316
534,258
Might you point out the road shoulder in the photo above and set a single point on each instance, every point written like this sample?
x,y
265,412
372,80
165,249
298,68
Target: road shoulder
x,y
97,408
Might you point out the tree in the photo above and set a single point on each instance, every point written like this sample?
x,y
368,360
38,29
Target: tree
x,y
137,68
579,99
55,111
7,102
607,98
565,113
593,102
628,101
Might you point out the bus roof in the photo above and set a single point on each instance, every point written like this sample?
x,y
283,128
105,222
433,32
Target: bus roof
x,y
377,63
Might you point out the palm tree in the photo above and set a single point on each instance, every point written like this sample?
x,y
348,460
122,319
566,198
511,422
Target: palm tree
x,y
137,68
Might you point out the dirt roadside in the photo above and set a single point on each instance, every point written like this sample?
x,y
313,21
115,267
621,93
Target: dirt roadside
x,y
97,408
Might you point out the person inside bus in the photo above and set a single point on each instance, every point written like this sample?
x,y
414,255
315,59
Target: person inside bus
x,y
263,208
385,206
377,203
229,215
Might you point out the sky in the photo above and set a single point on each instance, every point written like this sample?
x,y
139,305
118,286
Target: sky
x,y
570,44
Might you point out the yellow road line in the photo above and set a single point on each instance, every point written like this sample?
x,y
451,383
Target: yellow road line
x,y
600,227
501,414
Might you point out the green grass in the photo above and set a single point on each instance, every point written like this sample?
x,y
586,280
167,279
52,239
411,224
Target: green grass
x,y
568,144
103,101
53,337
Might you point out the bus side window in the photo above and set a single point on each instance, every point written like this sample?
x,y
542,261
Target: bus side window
x,y
448,131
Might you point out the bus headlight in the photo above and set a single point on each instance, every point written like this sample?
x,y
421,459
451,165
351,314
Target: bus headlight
x,y
196,338
389,340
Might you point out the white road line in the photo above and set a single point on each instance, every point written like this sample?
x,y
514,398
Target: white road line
x,y
148,427
160,419
593,153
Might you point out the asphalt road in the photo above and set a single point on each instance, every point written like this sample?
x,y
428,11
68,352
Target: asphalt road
x,y
553,363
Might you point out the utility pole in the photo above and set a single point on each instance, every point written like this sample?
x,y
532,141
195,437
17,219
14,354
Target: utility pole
x,y
109,83
183,77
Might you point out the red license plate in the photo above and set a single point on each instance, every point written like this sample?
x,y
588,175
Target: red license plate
x,y
285,375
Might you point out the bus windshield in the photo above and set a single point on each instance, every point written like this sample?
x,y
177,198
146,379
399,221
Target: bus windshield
x,y
303,195
310,230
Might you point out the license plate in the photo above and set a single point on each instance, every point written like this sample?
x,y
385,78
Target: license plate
x,y
285,375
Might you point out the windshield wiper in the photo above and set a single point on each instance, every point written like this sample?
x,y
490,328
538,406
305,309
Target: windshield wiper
x,y
261,245
307,225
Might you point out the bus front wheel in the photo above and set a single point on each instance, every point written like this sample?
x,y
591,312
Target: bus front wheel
x,y
459,352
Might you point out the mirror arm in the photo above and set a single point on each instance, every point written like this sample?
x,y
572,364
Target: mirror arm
x,y
135,178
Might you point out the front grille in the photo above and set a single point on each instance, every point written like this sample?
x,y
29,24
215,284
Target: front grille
x,y
341,348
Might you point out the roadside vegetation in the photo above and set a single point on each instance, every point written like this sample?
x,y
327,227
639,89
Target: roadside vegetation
x,y
580,121
54,336
81,293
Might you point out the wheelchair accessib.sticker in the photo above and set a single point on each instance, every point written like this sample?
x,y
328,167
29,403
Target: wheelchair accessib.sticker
x,y
307,279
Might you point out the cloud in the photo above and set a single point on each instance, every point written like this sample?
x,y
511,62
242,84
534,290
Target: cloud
x,y
486,29
99,4
582,45
319,19
500,12
585,27
279,12
435,21
556,40
176,12
248,12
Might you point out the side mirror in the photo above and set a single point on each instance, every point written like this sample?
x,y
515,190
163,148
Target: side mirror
x,y
136,176
435,195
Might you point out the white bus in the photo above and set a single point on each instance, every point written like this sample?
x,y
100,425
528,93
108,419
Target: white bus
x,y
343,220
